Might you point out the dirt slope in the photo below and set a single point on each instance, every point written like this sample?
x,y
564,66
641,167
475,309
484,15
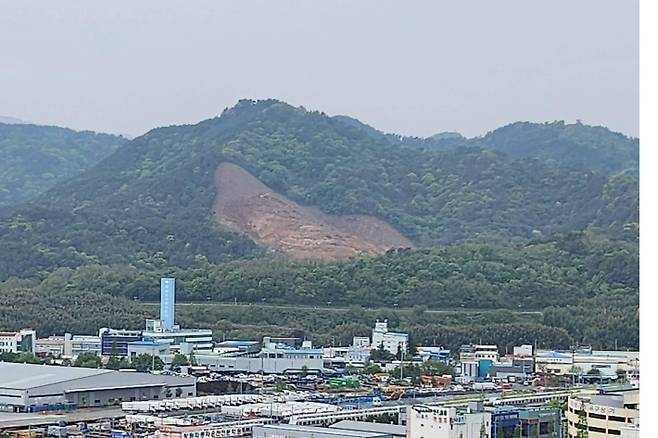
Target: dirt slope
x,y
246,205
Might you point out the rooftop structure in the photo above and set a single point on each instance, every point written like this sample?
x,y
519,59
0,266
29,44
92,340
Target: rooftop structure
x,y
294,431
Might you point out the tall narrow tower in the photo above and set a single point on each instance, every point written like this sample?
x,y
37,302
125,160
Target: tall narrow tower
x,y
167,302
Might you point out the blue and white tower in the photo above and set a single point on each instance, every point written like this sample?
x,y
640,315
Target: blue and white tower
x,y
167,302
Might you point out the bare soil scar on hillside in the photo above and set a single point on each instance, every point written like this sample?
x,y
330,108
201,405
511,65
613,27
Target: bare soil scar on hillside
x,y
246,205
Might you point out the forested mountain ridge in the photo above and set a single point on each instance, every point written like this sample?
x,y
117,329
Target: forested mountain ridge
x,y
495,229
150,203
35,158
594,147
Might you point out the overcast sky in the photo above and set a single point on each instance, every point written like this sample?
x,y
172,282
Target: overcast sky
x,y
415,68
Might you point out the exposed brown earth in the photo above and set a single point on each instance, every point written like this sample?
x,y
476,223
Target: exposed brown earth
x,y
245,204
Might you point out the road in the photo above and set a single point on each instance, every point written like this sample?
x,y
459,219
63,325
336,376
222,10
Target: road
x,y
340,308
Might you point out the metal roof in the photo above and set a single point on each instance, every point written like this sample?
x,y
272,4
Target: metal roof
x,y
21,376
318,430
25,376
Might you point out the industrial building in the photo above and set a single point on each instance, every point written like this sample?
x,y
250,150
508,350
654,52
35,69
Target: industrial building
x,y
583,361
28,387
268,360
391,341
179,340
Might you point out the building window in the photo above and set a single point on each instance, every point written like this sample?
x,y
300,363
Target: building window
x,y
598,416
596,429
619,419
614,432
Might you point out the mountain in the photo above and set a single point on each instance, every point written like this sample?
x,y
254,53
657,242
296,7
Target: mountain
x,y
12,121
35,158
593,146
151,203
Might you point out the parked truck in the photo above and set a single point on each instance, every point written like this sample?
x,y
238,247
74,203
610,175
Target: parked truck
x,y
484,386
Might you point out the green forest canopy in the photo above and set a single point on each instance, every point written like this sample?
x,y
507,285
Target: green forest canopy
x,y
500,225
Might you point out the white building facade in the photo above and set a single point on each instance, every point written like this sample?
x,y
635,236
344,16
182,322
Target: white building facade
x,y
392,341
444,422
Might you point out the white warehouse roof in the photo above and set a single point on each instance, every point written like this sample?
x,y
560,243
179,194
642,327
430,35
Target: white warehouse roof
x,y
21,376
26,376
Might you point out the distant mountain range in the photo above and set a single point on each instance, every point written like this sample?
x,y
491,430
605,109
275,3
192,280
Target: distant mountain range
x,y
35,158
151,199
13,121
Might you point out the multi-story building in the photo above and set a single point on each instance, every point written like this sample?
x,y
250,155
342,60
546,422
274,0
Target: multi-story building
x,y
476,360
86,344
606,414
18,342
50,346
115,341
359,351
475,353
447,422
391,341
68,346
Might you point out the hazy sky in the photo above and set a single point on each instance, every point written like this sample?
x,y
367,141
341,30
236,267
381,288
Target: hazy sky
x,y
411,67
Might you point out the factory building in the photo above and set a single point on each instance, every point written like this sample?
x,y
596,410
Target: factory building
x,y
391,341
268,360
180,340
30,388
583,361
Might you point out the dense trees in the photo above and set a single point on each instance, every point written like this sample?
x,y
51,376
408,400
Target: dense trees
x,y
502,222
87,360
150,203
585,288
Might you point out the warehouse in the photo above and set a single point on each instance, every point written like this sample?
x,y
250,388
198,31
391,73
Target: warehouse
x,y
28,387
